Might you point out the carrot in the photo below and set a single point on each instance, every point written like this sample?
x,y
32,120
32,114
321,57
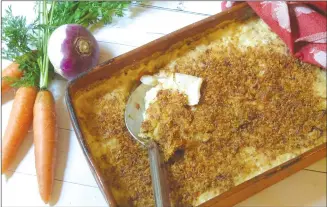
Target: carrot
x,y
45,138
11,71
20,119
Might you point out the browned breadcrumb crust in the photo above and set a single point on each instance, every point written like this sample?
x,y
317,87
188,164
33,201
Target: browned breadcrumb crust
x,y
241,106
274,111
126,167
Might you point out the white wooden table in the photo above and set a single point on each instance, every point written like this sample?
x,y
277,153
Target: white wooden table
x,y
74,183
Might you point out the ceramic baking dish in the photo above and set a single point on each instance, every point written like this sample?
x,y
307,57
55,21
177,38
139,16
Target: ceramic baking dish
x,y
159,46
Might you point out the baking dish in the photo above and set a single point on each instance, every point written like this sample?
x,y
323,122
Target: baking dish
x,y
105,70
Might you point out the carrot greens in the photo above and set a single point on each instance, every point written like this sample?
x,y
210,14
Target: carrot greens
x,y
45,20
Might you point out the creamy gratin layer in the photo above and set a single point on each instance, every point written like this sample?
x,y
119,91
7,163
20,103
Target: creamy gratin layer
x,y
257,108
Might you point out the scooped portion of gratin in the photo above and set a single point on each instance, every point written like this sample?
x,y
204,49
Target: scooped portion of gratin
x,y
223,108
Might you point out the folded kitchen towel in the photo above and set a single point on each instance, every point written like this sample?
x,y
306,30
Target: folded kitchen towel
x,y
301,25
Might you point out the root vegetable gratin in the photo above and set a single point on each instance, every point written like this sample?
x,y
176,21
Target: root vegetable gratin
x,y
259,107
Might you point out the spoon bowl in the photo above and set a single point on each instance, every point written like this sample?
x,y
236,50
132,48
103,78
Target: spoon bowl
x,y
134,111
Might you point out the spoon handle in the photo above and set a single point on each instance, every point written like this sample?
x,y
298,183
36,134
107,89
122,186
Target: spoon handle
x,y
159,183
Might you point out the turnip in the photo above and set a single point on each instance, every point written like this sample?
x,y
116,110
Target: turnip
x,y
72,49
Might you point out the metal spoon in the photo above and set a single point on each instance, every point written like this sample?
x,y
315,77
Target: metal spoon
x,y
133,119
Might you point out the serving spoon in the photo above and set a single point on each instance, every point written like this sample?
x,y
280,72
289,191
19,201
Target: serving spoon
x,y
135,108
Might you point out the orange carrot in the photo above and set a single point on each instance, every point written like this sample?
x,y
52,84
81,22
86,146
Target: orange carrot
x,y
11,71
45,138
20,119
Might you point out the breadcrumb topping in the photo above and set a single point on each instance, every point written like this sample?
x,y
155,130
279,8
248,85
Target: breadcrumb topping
x,y
258,99
257,104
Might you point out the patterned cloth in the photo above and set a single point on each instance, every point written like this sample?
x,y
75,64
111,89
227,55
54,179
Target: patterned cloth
x,y
301,25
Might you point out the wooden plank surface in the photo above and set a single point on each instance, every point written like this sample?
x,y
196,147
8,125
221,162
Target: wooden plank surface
x,y
74,183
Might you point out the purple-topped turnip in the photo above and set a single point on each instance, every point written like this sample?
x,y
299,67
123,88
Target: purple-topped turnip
x,y
72,49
